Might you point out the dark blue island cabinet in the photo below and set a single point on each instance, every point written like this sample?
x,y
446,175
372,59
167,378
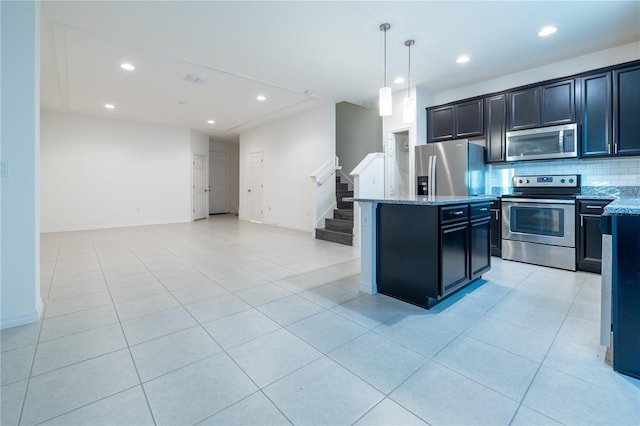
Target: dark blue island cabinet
x,y
427,252
626,294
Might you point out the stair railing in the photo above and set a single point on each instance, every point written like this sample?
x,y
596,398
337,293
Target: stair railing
x,y
323,196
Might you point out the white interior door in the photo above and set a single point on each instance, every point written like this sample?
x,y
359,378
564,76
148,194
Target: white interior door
x,y
256,170
200,190
219,194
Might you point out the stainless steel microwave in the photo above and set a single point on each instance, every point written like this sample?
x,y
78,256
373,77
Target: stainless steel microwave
x,y
543,143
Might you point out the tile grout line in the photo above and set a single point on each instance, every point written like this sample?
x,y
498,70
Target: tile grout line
x,y
124,335
524,396
35,351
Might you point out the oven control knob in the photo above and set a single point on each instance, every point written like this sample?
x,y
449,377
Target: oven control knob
x,y
520,181
528,181
570,180
562,180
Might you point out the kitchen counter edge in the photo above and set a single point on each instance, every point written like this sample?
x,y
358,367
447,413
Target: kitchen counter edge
x,y
438,200
623,207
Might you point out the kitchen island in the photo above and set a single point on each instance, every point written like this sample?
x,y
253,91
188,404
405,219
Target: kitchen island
x,y
621,284
422,249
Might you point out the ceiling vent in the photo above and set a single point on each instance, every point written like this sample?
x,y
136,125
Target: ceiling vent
x,y
194,78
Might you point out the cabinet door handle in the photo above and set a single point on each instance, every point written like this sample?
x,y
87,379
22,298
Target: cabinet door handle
x,y
594,207
497,212
458,213
608,148
615,148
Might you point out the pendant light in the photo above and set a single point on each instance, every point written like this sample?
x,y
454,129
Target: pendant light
x,y
385,100
409,110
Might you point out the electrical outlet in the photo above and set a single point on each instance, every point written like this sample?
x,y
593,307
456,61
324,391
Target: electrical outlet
x,y
4,169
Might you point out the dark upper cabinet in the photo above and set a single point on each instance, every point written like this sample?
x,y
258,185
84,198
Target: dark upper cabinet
x,y
496,126
626,111
440,124
524,111
544,105
595,114
557,103
461,120
468,119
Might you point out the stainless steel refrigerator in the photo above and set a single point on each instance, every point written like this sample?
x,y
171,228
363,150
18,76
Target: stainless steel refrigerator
x,y
450,168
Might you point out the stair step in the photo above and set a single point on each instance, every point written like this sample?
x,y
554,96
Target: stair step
x,y
335,237
346,205
342,186
343,214
339,225
342,194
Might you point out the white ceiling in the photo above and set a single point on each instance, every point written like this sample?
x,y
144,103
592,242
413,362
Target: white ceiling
x,y
282,49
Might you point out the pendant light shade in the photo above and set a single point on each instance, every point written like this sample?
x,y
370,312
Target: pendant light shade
x,y
385,100
409,107
408,111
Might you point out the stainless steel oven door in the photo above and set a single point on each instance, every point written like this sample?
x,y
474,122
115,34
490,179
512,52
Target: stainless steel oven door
x,y
542,221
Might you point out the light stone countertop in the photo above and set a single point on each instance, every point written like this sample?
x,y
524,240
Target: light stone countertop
x,y
433,200
623,207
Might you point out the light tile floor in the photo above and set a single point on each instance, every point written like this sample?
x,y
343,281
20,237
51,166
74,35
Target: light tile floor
x,y
227,322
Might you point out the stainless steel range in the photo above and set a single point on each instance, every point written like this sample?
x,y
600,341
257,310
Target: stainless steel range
x,y
538,220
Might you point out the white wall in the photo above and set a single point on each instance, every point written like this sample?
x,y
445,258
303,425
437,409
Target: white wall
x,y
293,148
233,149
19,214
603,58
101,173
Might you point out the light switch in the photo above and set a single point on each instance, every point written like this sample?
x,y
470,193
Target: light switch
x,y
365,219
4,169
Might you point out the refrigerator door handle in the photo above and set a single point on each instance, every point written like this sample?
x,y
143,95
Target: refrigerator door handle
x,y
432,175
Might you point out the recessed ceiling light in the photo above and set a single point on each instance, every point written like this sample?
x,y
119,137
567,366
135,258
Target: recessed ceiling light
x,y
211,122
261,98
463,59
399,80
547,31
127,66
109,106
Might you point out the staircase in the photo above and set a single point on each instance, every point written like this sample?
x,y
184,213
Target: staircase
x,y
340,228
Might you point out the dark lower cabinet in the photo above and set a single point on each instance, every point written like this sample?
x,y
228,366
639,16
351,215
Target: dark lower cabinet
x,y
589,244
625,297
480,258
454,256
496,228
427,252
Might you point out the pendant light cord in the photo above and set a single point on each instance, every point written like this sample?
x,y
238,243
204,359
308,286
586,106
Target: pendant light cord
x,y
409,43
384,28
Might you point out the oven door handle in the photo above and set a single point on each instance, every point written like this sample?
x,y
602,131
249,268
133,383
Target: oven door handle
x,y
538,200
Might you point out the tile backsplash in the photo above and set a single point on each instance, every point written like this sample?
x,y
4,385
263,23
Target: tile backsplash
x,y
607,172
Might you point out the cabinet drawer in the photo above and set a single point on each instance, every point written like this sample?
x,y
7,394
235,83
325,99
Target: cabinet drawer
x,y
454,213
478,211
593,207
495,204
